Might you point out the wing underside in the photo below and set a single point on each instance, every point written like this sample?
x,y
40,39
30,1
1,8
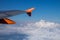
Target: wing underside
x,y
6,21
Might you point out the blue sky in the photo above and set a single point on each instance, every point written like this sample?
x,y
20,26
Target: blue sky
x,y
44,9
46,13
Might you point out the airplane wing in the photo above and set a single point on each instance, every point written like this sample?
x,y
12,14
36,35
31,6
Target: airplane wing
x,y
5,14
10,13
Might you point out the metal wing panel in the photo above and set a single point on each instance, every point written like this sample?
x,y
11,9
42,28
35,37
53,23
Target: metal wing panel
x,y
10,13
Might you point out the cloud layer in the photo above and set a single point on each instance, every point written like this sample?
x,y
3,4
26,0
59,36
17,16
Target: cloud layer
x,y
41,30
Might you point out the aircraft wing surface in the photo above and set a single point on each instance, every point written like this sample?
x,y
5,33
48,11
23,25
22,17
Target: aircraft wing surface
x,y
9,13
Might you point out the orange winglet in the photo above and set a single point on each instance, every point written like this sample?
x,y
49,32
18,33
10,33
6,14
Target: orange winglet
x,y
30,10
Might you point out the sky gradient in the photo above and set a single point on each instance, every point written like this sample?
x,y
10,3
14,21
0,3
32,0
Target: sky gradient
x,y
44,9
44,24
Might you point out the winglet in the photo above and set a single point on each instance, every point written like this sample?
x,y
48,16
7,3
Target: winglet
x,y
28,11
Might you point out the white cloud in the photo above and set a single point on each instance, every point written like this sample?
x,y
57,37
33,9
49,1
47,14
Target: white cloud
x,y
41,30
